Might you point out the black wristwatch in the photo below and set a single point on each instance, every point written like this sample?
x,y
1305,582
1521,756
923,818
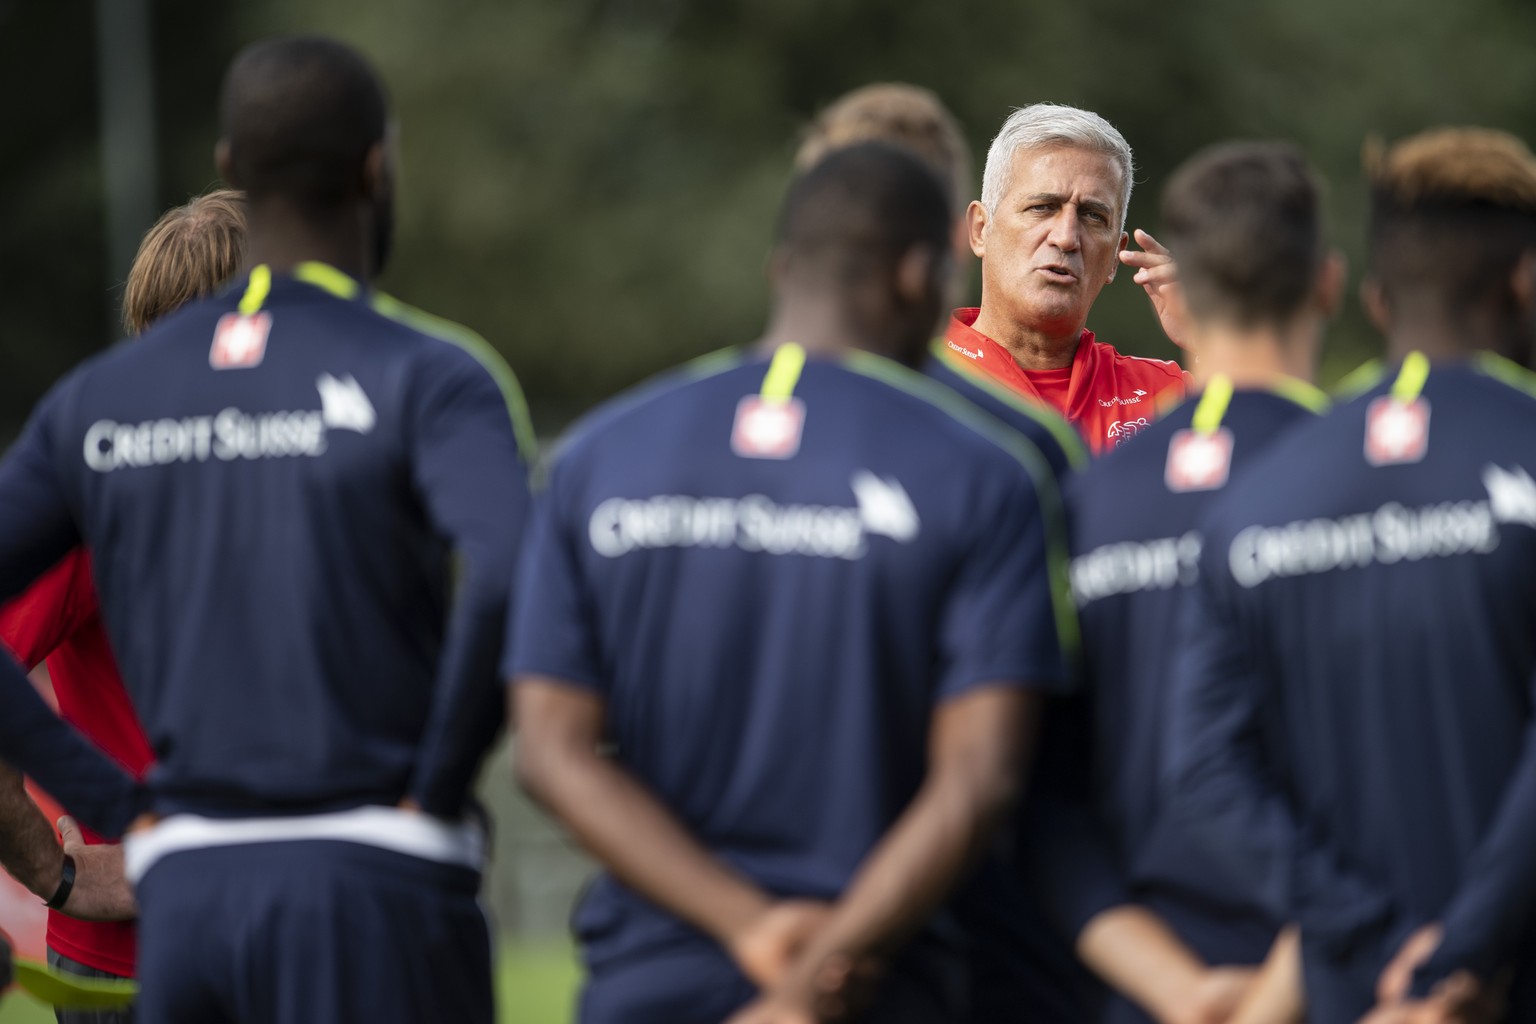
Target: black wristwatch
x,y
66,884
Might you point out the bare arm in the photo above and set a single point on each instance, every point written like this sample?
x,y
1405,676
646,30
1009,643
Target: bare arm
x,y
1277,996
28,848
977,747
1132,949
629,830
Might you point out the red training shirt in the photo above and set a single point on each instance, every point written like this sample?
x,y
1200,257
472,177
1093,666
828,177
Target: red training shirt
x,y
58,621
1107,396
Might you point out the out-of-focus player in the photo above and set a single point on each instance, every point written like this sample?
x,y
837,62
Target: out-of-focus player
x,y
805,594
1245,220
1050,229
1354,729
1017,960
188,253
304,503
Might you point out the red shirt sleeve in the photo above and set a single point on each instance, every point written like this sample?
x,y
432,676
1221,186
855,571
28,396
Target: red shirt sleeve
x,y
49,612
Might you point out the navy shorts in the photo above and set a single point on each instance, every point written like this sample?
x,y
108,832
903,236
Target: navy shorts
x,y
299,932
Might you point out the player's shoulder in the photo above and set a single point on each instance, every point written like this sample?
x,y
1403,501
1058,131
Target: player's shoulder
x,y
454,345
943,411
1050,431
666,393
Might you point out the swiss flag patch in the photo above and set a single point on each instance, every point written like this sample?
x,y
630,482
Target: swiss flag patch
x,y
240,341
1197,461
767,429
1396,432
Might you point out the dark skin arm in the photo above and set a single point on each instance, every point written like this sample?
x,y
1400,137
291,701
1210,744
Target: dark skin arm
x,y
978,746
624,826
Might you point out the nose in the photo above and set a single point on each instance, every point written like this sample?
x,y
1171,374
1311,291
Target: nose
x,y
1064,230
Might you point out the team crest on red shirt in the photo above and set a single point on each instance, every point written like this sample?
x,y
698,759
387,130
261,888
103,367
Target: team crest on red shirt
x,y
1198,462
240,341
767,428
1396,432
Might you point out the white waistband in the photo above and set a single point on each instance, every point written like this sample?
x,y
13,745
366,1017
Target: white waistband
x,y
388,828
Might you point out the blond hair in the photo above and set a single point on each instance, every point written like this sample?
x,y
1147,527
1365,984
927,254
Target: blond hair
x,y
904,115
191,250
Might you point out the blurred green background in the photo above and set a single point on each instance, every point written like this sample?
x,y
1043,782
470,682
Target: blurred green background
x,y
591,183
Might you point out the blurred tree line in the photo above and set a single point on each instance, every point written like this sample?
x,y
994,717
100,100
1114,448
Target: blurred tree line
x,y
591,183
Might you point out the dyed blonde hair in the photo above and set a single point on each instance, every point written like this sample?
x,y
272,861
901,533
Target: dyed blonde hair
x,y
191,250
903,115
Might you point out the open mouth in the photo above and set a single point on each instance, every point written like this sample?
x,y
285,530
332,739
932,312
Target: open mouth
x,y
1058,275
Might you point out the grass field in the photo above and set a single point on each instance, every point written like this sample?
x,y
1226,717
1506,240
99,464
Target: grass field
x,y
535,985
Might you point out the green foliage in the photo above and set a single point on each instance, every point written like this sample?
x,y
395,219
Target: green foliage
x,y
591,184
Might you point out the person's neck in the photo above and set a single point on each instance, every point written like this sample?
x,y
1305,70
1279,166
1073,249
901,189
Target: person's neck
x,y
1256,357
282,238
1049,348
823,327
1443,339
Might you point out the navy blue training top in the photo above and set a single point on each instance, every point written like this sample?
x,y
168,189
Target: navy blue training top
x,y
304,524
1136,547
773,590
1018,956
1354,728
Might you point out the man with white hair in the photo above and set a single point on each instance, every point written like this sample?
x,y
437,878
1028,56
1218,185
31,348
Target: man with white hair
x,y
1050,231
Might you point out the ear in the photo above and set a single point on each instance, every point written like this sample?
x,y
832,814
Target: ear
x,y
920,274
377,176
1114,266
976,227
1522,282
1374,298
224,161
1328,294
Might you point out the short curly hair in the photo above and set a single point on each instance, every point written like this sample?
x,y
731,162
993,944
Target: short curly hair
x,y
1452,212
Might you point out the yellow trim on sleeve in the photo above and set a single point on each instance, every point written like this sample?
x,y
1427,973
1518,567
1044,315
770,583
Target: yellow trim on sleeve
x,y
1308,396
327,278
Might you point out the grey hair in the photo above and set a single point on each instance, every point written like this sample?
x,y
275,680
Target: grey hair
x,y
1051,124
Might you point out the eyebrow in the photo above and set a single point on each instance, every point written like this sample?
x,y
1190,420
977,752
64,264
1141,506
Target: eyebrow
x,y
1055,197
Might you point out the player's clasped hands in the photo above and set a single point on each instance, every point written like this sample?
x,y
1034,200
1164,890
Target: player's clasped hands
x,y
771,951
823,992
1460,999
769,944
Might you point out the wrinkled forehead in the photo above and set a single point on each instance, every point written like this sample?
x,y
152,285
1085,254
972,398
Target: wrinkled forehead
x,y
1065,169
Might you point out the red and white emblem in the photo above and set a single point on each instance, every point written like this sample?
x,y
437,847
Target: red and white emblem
x,y
1396,432
240,341
767,429
1198,462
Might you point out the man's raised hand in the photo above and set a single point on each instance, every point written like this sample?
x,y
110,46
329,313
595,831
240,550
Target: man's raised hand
x,y
1158,274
